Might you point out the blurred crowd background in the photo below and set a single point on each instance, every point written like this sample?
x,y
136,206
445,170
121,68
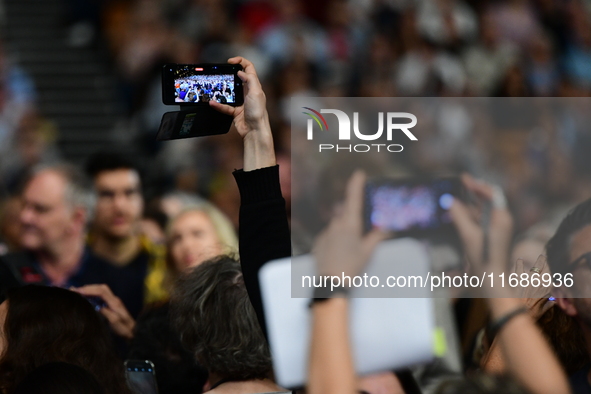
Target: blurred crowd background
x,y
330,48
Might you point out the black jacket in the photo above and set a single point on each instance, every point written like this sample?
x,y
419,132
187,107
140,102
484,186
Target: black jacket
x,y
263,233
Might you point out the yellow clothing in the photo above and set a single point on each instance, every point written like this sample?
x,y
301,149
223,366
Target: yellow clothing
x,y
154,290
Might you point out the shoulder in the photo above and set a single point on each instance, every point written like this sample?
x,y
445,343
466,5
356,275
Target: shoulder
x,y
16,259
19,268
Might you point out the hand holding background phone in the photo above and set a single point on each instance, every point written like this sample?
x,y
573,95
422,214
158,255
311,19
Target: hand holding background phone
x,y
485,232
114,311
342,248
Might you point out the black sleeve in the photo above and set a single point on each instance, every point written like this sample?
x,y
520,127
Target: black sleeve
x,y
263,233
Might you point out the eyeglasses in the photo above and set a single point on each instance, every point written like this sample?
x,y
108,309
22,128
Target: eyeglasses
x,y
584,258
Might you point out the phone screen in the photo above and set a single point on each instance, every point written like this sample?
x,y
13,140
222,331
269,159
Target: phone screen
x,y
410,206
194,84
141,377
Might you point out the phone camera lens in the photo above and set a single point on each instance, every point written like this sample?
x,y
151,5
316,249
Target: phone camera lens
x,y
446,201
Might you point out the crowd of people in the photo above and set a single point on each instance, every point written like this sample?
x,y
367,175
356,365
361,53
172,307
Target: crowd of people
x,y
172,276
404,48
202,88
348,48
92,281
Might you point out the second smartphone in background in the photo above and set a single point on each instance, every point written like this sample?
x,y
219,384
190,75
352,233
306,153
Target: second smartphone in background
x,y
411,207
141,376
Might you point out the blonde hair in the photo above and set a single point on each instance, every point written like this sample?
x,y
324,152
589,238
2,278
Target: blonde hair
x,y
223,228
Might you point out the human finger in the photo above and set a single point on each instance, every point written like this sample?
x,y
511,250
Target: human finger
x,y
462,219
518,269
245,63
353,204
478,187
223,108
101,290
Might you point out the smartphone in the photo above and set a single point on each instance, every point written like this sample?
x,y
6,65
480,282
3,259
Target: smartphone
x,y
411,207
141,376
177,124
198,122
197,84
97,302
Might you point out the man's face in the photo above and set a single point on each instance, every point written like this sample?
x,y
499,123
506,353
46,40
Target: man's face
x,y
46,217
119,205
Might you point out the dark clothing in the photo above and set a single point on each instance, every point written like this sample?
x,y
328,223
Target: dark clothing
x,y
7,281
579,382
26,270
263,234
126,282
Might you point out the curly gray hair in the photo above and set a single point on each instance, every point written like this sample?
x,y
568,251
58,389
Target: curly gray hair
x,y
213,314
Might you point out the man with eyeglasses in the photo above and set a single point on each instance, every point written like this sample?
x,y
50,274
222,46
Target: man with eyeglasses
x,y
569,252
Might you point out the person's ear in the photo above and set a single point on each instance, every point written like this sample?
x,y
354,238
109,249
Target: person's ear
x,y
565,301
79,218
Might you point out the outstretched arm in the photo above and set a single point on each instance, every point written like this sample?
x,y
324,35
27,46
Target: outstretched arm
x,y
537,303
527,355
263,232
341,248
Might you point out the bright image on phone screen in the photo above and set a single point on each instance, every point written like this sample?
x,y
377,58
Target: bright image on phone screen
x,y
400,207
193,87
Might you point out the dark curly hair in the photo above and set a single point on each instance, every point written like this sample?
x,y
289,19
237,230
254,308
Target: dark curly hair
x,y
557,248
566,338
217,323
50,324
109,160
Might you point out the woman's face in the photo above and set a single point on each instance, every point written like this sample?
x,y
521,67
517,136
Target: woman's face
x,y
193,240
3,312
